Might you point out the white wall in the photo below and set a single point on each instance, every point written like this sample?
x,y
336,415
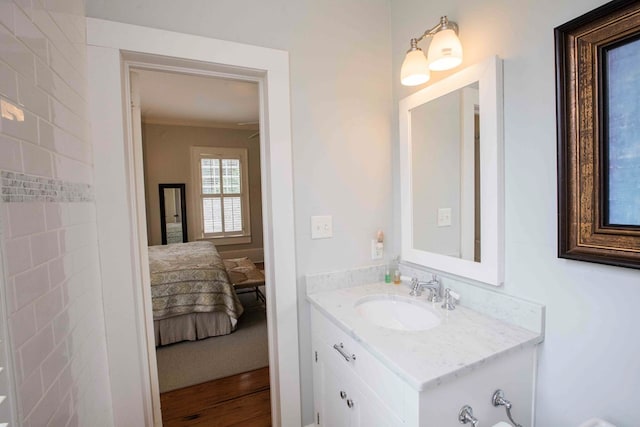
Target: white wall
x,y
49,239
341,109
589,360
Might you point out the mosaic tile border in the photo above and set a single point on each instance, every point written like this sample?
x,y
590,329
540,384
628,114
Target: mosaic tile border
x,y
19,187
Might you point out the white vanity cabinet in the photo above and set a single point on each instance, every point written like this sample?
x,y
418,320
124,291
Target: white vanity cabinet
x,y
361,388
343,394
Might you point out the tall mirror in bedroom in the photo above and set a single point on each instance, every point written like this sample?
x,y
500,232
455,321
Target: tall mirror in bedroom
x,y
173,213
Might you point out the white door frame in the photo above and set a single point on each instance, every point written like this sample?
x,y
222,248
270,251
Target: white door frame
x,y
121,218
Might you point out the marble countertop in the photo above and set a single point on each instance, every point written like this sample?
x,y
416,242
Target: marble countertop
x,y
462,341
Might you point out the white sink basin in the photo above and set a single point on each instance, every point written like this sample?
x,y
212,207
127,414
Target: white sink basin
x,y
393,312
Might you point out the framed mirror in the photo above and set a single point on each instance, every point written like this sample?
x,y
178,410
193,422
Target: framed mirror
x,y
173,213
597,92
451,174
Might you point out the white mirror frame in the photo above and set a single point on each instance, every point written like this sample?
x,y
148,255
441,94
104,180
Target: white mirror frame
x,y
491,268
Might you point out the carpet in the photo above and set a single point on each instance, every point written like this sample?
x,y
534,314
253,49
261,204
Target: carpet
x,y
193,362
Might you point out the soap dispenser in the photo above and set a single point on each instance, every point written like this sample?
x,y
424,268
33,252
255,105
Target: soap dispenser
x,y
387,273
391,270
396,271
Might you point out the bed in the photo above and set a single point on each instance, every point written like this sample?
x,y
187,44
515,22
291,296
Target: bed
x,y
191,293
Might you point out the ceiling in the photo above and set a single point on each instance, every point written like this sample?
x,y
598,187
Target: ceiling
x,y
183,99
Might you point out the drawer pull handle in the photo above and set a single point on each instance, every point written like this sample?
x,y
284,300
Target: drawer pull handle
x,y
340,349
350,403
343,395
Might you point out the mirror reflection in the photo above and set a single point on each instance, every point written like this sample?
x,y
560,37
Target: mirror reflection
x,y
173,213
445,154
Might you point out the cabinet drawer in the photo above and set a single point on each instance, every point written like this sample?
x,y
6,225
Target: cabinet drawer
x,y
386,385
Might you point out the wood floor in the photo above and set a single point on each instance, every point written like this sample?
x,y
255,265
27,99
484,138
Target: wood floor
x,y
239,400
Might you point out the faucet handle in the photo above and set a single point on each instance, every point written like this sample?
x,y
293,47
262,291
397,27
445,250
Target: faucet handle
x,y
465,416
450,298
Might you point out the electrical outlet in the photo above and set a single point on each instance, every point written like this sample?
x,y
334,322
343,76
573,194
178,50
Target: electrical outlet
x,y
321,227
377,249
444,217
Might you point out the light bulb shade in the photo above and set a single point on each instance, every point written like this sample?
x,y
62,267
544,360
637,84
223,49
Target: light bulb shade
x,y
415,68
445,51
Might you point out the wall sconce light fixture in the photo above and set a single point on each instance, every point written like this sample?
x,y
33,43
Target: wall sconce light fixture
x,y
445,53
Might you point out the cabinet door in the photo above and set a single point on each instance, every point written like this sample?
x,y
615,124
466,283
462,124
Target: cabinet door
x,y
330,396
342,400
337,398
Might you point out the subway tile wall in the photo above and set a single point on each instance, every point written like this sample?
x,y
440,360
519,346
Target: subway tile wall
x,y
48,219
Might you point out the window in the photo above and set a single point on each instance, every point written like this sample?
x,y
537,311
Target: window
x,y
222,193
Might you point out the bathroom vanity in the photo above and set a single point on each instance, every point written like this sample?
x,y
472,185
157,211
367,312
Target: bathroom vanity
x,y
384,358
370,371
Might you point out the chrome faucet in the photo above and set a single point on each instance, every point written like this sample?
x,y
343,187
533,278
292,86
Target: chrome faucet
x,y
434,285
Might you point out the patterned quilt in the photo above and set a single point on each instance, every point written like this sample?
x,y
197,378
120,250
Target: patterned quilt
x,y
190,278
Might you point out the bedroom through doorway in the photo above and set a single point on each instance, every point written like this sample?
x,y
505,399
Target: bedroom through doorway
x,y
202,179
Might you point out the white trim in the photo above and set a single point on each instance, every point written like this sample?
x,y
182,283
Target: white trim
x,y
8,384
491,268
224,241
120,201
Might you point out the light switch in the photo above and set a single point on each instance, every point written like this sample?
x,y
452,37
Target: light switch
x,y
444,217
321,227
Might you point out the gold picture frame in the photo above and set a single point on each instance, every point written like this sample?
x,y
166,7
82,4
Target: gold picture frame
x,y
598,180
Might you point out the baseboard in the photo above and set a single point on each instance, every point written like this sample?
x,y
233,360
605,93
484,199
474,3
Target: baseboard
x,y
310,425
254,254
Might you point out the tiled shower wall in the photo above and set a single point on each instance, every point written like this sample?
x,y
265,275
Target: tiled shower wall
x,y
49,238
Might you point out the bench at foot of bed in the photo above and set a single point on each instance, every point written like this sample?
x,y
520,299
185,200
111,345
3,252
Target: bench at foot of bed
x,y
245,276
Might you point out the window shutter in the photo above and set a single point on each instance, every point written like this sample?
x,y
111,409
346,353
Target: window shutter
x,y
221,176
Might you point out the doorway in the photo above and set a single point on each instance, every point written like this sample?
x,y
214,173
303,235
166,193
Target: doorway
x,y
201,161
112,48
